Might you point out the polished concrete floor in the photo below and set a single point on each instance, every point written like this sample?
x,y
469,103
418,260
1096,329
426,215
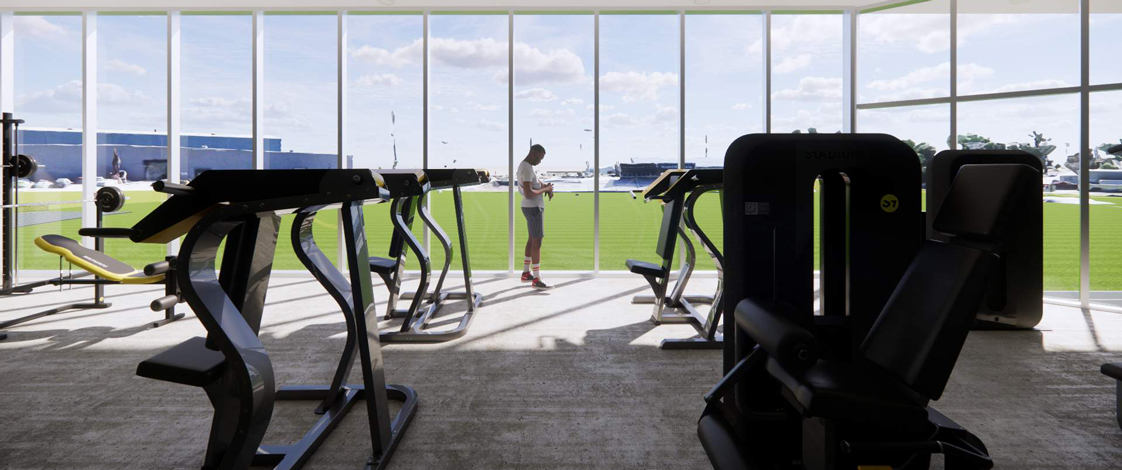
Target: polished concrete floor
x,y
565,379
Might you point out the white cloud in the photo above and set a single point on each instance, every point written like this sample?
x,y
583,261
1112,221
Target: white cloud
x,y
812,89
381,79
603,107
122,66
488,125
805,32
70,93
927,33
620,120
572,102
542,112
535,94
399,57
553,118
1034,85
532,66
742,106
792,64
481,107
637,85
39,27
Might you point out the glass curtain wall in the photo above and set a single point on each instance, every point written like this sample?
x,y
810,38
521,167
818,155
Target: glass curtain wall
x,y
639,128
301,109
553,95
385,106
1106,134
48,88
724,99
132,122
806,72
468,127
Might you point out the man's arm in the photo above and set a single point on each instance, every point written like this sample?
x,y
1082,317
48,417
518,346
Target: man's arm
x,y
527,188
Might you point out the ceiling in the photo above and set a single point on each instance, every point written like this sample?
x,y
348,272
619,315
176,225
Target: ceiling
x,y
965,6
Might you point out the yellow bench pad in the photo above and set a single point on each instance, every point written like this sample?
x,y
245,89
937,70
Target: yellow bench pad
x,y
94,261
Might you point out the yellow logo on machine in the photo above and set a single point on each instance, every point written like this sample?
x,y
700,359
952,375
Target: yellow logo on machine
x,y
889,203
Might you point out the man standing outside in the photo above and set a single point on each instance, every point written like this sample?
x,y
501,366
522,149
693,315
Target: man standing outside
x,y
533,208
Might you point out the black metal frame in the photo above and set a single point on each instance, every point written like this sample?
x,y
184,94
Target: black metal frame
x,y
414,327
679,307
230,306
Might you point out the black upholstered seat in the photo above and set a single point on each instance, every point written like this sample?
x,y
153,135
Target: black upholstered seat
x,y
382,265
841,391
188,363
644,268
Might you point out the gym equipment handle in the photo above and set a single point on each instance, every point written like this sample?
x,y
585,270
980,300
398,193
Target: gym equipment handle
x,y
172,188
106,232
159,267
164,303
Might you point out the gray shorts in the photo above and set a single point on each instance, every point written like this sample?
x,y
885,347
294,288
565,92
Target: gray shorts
x,y
535,221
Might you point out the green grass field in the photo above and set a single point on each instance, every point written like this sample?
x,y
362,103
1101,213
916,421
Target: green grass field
x,y
628,229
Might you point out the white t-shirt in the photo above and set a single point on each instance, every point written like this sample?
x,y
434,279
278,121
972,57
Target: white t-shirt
x,y
526,173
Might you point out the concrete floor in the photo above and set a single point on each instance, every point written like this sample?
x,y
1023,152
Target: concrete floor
x,y
569,378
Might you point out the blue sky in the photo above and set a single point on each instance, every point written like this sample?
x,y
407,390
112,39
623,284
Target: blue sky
x,y
902,56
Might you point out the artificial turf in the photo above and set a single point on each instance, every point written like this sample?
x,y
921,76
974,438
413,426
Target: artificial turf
x,y
628,229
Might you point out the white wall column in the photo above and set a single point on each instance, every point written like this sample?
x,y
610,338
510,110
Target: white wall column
x,y
341,120
510,138
682,92
849,71
596,144
258,90
766,51
89,120
1085,154
7,62
954,76
173,109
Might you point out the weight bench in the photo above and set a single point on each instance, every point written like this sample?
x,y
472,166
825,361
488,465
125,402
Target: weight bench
x,y
105,269
1114,371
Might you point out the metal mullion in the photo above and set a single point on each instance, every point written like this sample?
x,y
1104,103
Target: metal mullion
x,y
596,144
89,120
258,89
1085,154
682,89
849,72
766,51
7,93
341,120
7,62
173,108
510,138
953,144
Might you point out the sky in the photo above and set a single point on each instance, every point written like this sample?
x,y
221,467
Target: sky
x,y
900,56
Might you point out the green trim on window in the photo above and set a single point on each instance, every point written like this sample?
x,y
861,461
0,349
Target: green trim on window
x,y
724,12
48,13
807,12
554,12
894,5
132,13
216,13
639,12
301,13
386,13
469,13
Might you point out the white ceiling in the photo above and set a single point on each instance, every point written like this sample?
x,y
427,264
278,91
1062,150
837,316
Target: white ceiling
x,y
965,6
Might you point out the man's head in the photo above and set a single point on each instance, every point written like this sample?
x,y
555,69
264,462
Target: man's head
x,y
537,153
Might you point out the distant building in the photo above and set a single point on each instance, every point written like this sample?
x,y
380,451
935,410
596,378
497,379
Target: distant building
x,y
144,155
